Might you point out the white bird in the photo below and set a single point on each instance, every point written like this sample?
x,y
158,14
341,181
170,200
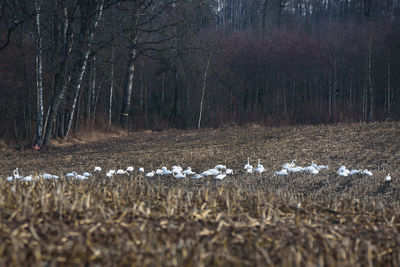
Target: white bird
x,y
188,171
27,178
111,172
129,169
150,174
214,171
86,174
352,172
229,171
165,171
141,169
289,165
282,172
343,171
220,176
16,174
55,177
206,173
314,165
312,170
159,172
220,167
97,169
47,176
177,168
367,172
120,171
248,166
295,169
178,175
10,178
81,177
260,168
388,178
323,167
196,176
71,174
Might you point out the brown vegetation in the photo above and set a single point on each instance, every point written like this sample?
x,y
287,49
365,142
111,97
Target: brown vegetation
x,y
242,220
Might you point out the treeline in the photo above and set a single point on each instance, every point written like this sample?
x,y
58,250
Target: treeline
x,y
68,65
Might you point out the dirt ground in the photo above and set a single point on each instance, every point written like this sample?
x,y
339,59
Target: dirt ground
x,y
263,220
375,147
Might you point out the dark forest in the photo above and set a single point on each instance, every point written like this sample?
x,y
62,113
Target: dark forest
x,y
69,65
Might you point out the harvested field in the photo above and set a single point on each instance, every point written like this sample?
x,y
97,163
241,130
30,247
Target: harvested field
x,y
298,220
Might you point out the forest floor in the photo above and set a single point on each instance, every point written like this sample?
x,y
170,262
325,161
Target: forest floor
x,y
243,220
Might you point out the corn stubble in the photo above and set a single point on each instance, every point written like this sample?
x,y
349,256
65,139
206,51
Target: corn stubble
x,y
299,220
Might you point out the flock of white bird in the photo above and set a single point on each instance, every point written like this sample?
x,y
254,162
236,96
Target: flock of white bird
x,y
219,172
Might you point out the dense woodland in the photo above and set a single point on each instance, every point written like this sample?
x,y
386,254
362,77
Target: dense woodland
x,y
70,65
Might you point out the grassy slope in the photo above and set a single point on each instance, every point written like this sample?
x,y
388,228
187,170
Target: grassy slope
x,y
244,219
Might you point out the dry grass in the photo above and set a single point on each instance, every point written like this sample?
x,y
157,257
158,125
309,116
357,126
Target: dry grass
x,y
244,220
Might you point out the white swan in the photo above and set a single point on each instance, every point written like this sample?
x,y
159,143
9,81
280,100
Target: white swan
x,y
141,170
343,171
165,171
220,167
28,178
214,172
220,176
196,176
81,177
248,167
188,171
260,168
229,171
282,172
16,174
178,175
289,165
352,172
129,169
295,169
206,173
177,168
97,169
120,171
71,174
159,172
388,178
86,174
367,172
312,169
150,174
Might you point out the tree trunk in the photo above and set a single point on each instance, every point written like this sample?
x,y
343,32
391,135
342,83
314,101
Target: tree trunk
x,y
84,61
92,85
370,82
126,100
39,77
389,95
203,91
111,87
59,82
